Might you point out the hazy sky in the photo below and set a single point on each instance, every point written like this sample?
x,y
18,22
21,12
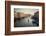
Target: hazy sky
x,y
26,10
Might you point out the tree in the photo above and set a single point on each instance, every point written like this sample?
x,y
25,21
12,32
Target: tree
x,y
36,19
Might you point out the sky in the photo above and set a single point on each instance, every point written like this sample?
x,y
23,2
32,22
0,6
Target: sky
x,y
26,10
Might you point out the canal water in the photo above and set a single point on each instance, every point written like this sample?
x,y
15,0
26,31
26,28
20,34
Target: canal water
x,y
25,22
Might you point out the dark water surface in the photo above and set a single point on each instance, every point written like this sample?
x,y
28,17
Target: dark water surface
x,y
26,22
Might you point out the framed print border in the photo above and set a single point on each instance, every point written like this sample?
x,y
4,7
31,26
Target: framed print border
x,y
8,16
